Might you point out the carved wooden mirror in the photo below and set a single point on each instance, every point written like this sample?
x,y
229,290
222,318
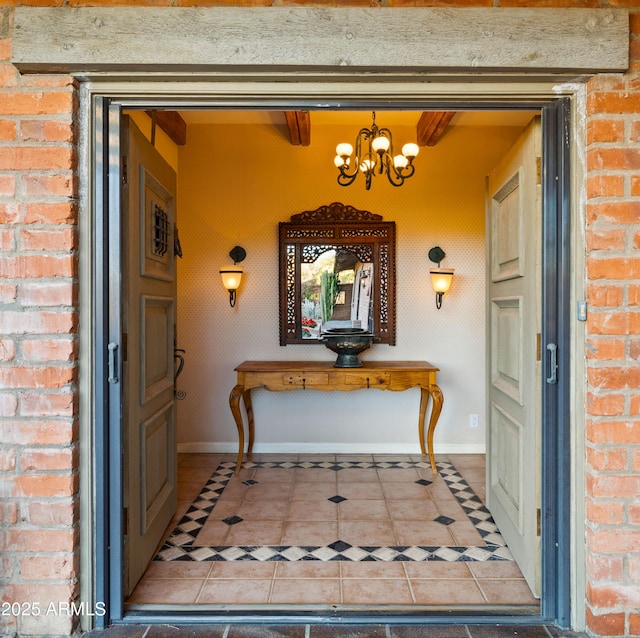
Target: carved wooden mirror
x,y
337,269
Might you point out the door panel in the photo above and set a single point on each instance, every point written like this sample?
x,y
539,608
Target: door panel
x,y
149,315
514,309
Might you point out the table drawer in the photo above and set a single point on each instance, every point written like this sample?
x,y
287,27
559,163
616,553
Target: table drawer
x,y
306,378
367,379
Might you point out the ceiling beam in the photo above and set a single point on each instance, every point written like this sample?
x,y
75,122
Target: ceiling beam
x,y
299,123
172,123
431,126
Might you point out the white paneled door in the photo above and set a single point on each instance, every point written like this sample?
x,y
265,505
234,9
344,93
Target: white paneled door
x,y
149,314
513,325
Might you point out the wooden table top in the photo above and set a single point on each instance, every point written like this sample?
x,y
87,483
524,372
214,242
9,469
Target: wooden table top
x,y
281,366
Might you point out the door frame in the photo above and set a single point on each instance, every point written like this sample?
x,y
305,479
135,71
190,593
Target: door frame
x,y
101,474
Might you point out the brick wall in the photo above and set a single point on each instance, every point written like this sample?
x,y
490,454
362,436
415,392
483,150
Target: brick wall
x,y
39,318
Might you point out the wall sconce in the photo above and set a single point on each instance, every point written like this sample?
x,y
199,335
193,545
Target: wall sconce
x,y
441,278
232,275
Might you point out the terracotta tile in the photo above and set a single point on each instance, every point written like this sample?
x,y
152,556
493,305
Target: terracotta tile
x,y
348,631
423,510
265,510
242,569
309,533
315,474
225,508
363,510
274,475
464,533
438,490
506,631
372,569
495,569
462,461
409,491
233,591
268,491
159,590
447,592
355,458
437,569
399,458
473,474
428,631
311,591
313,491
233,490
398,475
422,533
210,461
361,490
266,631
511,591
376,592
308,569
451,509
213,533
312,511
255,533
367,532
352,475
177,569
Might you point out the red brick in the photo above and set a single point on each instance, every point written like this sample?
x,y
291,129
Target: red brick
x,y
58,512
605,405
7,130
610,295
59,185
634,624
58,349
608,596
606,239
37,432
41,404
605,186
47,131
616,268
605,567
7,185
621,432
51,239
36,158
47,459
34,266
605,131
8,513
604,513
607,459
634,295
46,213
8,295
48,294
7,349
8,404
34,567
7,460
39,540
45,377
613,102
10,214
37,322
613,323
606,624
36,103
621,212
605,486
40,485
634,513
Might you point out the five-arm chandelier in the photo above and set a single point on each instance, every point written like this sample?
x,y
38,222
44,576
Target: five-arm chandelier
x,y
374,155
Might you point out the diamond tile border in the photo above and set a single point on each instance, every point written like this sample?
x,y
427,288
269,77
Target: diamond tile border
x,y
179,544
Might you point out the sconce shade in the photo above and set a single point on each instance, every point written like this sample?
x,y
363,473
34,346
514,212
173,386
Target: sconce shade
x,y
231,276
441,279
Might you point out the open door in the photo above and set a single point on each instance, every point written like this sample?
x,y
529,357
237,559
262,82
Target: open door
x,y
149,314
513,326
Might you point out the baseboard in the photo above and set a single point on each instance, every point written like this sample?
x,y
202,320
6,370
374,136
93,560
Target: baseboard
x,y
210,447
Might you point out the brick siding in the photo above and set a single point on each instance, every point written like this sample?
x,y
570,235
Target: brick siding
x,y
39,534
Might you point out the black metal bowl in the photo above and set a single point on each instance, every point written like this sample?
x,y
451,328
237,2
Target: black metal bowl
x,y
348,343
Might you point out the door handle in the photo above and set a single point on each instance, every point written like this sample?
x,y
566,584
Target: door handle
x,y
112,362
552,348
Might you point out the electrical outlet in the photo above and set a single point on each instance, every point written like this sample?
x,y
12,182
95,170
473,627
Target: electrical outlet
x,y
473,421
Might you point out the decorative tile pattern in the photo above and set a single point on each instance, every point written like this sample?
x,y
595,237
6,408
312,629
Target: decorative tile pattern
x,y
179,546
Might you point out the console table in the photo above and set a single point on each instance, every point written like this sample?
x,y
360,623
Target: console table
x,y
321,375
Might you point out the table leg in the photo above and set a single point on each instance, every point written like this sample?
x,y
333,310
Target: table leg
x,y
246,395
435,393
234,404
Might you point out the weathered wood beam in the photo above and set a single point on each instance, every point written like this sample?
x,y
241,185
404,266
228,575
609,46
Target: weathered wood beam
x,y
299,123
432,125
172,123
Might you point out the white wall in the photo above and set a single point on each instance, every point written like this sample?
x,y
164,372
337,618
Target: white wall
x,y
235,184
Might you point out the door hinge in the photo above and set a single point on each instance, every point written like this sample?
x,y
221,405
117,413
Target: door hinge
x,y
538,347
112,363
125,171
538,522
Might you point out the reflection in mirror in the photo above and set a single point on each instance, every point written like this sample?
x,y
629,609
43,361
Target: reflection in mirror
x,y
337,267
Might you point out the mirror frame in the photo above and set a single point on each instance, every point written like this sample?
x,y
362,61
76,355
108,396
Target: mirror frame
x,y
337,225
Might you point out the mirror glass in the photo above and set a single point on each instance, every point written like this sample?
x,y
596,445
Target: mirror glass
x,y
337,267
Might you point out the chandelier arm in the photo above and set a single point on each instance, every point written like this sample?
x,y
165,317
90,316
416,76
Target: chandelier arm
x,y
395,177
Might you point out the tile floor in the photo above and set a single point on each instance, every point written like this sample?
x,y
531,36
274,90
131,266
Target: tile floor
x,y
338,530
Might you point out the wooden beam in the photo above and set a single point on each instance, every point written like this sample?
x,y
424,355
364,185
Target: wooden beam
x,y
299,123
432,125
172,124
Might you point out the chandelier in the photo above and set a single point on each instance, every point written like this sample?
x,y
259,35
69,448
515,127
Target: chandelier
x,y
374,155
